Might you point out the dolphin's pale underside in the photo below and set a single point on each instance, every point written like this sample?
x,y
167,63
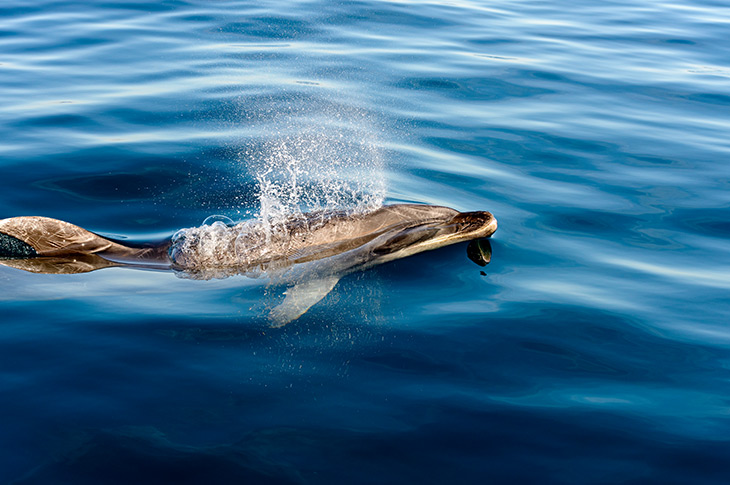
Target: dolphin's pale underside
x,y
309,252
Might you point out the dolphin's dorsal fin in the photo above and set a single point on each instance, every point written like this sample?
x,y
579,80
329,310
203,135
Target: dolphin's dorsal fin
x,y
31,237
301,298
51,237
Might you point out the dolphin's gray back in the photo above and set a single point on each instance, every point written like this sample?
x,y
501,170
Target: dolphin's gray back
x,y
218,250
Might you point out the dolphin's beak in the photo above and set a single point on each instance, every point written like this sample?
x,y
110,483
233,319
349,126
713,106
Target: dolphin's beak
x,y
475,225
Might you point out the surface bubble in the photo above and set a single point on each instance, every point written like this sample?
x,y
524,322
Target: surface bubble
x,y
218,219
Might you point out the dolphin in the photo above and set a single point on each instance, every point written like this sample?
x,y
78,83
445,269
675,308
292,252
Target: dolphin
x,y
308,252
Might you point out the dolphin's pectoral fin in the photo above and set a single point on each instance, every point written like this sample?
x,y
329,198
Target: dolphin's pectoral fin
x,y
301,298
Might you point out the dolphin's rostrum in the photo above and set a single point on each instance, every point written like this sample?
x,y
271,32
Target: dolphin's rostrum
x,y
309,252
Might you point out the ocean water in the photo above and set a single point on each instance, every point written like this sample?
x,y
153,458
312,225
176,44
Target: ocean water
x,y
594,348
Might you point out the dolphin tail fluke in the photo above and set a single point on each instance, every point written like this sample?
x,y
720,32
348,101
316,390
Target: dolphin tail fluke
x,y
301,298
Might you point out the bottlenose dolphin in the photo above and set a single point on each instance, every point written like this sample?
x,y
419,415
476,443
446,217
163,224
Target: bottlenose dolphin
x,y
308,252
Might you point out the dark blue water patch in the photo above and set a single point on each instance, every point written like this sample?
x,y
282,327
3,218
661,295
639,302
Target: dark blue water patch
x,y
713,99
179,158
58,121
167,187
499,445
551,80
474,89
145,115
271,28
637,230
680,41
506,446
431,84
19,10
481,41
144,455
194,17
566,342
546,172
573,361
595,223
468,147
299,102
620,41
556,160
548,151
448,178
81,42
412,362
404,17
262,54
649,161
677,95
148,183
112,157
587,146
242,334
629,354
709,221
547,76
141,6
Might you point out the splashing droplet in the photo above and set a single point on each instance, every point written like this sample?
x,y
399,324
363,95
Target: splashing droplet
x,y
211,220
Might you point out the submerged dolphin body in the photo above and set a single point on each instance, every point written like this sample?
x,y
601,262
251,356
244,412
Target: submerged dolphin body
x,y
308,252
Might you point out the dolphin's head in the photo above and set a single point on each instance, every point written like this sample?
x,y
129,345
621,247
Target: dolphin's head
x,y
473,225
444,227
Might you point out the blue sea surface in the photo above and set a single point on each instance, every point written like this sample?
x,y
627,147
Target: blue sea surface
x,y
594,348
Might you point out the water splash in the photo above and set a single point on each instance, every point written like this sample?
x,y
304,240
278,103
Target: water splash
x,y
318,156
